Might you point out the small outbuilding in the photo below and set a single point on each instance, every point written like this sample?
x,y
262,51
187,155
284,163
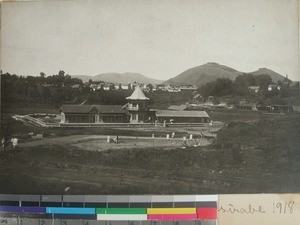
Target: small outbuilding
x,y
198,98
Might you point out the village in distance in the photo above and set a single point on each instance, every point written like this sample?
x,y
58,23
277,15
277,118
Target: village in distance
x,y
211,129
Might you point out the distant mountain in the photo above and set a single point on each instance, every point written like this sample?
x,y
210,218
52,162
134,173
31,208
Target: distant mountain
x,y
275,76
203,74
209,72
122,78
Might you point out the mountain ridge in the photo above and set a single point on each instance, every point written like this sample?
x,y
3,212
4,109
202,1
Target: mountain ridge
x,y
198,75
123,78
211,71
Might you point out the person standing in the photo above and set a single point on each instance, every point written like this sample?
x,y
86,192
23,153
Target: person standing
x,y
15,142
3,142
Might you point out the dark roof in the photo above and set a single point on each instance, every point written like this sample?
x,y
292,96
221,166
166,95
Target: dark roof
x,y
169,113
87,108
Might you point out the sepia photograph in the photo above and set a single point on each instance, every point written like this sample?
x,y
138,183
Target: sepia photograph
x,y
161,97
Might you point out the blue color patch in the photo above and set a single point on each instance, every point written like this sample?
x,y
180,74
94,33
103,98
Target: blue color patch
x,y
59,210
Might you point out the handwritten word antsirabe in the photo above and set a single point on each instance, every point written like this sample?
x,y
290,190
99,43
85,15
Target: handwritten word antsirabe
x,y
247,210
278,207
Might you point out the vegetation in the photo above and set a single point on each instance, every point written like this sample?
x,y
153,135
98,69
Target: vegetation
x,y
55,90
239,87
52,90
247,157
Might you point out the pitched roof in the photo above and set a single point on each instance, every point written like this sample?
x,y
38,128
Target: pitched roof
x,y
76,108
88,108
110,109
138,94
177,107
169,113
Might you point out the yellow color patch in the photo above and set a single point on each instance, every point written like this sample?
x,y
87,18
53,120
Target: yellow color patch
x,y
171,210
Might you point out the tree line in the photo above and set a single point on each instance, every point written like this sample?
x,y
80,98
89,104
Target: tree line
x,y
54,90
240,86
29,89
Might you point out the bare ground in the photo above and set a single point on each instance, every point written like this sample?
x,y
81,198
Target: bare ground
x,y
247,157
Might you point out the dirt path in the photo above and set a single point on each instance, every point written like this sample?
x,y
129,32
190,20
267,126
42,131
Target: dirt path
x,y
53,141
93,142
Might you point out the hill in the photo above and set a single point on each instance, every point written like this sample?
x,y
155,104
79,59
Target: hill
x,y
119,78
203,74
209,72
275,76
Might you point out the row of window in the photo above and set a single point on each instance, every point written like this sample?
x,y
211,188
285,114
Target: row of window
x,y
92,119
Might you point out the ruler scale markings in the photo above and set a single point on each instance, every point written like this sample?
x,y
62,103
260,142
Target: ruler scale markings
x,y
22,221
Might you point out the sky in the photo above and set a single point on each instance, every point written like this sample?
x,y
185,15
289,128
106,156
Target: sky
x,y
158,38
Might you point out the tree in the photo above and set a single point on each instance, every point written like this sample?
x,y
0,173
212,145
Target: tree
x,y
220,87
61,73
242,82
263,81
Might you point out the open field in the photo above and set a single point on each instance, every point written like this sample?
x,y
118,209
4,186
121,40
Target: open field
x,y
247,157
99,142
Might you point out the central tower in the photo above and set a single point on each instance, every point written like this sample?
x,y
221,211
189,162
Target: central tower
x,y
137,106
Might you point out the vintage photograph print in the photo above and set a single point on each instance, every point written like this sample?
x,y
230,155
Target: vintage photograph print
x,y
127,97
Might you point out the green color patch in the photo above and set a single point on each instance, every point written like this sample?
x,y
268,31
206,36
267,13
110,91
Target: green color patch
x,y
121,211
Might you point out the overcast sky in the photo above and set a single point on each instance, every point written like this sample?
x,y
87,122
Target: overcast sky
x,y
158,38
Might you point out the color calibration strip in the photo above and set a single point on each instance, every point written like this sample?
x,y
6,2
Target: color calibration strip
x,y
111,208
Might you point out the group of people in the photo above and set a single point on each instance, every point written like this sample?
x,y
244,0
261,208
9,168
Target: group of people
x,y
5,142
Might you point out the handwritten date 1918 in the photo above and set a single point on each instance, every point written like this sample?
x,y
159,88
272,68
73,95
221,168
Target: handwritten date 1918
x,y
283,207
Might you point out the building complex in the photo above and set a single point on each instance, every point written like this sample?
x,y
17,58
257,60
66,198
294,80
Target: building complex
x,y
135,111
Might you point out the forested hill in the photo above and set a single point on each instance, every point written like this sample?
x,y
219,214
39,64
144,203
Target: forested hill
x,y
209,72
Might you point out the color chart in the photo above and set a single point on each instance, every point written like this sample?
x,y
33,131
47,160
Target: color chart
x,y
108,210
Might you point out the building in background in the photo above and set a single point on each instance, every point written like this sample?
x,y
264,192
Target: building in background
x,y
135,111
168,116
198,98
178,107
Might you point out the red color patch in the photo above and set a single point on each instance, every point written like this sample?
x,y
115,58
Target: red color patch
x,y
207,213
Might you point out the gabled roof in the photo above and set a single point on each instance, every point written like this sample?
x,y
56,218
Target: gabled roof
x,y
177,107
138,94
87,108
110,109
169,113
76,108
